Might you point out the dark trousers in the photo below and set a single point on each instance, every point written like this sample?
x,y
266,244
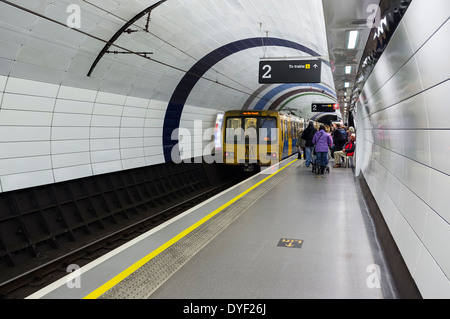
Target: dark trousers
x,y
322,158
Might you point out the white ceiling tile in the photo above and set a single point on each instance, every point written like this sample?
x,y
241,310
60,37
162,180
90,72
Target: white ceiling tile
x,y
72,93
3,80
21,86
9,50
42,58
18,18
36,73
27,102
25,118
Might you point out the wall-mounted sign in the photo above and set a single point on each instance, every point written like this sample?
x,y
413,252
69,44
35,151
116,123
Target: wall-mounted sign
x,y
299,71
324,107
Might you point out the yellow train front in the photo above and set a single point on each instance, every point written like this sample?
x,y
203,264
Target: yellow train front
x,y
258,138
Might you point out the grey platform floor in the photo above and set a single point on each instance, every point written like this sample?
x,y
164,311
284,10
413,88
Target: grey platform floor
x,y
339,256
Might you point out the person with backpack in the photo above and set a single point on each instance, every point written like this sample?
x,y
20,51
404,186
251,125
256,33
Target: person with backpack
x,y
308,135
339,138
322,140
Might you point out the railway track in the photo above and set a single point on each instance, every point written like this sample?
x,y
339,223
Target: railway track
x,y
33,280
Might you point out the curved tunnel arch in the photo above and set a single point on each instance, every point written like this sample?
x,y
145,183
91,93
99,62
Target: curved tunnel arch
x,y
321,115
181,93
284,87
286,97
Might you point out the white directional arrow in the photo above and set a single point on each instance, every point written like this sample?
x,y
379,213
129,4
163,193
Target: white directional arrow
x,y
315,66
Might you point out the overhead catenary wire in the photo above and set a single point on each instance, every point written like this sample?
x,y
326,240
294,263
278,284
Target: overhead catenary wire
x,y
131,51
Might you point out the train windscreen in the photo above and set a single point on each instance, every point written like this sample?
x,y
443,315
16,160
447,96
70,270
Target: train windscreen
x,y
268,130
263,129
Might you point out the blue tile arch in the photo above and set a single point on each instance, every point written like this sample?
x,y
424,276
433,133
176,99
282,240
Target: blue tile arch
x,y
190,79
283,87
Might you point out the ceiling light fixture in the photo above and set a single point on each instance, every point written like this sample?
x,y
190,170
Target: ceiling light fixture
x,y
347,84
348,69
352,39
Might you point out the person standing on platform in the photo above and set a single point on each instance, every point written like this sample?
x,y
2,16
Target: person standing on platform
x,y
308,135
323,142
339,138
300,144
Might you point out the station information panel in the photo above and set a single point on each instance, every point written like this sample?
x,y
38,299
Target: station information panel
x,y
289,71
324,107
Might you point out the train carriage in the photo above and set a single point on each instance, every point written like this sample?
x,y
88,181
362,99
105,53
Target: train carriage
x,y
259,138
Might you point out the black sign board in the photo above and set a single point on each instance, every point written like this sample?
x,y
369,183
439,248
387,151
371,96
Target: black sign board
x,y
299,71
291,243
323,107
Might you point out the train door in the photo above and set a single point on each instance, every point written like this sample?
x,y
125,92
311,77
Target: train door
x,y
268,140
290,137
281,142
294,137
285,141
251,140
233,134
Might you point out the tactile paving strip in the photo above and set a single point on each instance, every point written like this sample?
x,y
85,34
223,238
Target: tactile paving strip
x,y
144,281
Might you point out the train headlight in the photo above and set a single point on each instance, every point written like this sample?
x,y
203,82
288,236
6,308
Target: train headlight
x,y
229,154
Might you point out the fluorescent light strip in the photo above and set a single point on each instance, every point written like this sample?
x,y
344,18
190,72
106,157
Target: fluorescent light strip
x,y
348,69
352,38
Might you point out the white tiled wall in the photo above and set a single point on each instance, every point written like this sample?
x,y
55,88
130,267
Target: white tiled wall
x,y
51,133
404,142
198,122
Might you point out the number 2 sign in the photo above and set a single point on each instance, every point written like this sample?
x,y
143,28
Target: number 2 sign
x,y
290,71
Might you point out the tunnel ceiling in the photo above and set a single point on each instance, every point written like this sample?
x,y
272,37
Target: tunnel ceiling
x,y
342,16
146,48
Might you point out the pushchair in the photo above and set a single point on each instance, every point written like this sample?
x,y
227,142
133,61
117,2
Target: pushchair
x,y
315,166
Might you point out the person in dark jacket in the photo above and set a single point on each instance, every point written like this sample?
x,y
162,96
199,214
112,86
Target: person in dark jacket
x,y
323,142
308,135
347,150
339,138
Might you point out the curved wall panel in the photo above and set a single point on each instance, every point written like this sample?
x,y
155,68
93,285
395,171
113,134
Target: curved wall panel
x,y
403,142
52,133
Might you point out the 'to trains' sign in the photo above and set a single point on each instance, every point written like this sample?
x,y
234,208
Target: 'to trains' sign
x,y
299,71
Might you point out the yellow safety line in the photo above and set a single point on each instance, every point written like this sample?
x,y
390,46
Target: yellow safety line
x,y
118,278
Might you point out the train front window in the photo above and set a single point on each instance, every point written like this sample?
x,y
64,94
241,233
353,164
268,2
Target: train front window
x,y
250,127
268,130
233,129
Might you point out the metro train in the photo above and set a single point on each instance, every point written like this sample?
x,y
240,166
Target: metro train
x,y
259,138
